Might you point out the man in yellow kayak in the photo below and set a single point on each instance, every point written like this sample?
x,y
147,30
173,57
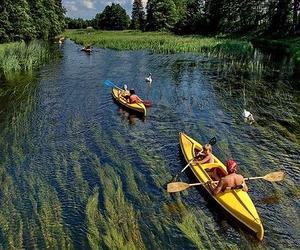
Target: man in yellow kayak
x,y
232,180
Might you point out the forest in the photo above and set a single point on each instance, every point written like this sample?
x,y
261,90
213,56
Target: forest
x,y
267,18
30,19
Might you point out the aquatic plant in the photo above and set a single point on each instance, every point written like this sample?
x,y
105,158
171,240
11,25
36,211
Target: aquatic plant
x,y
118,224
162,42
19,57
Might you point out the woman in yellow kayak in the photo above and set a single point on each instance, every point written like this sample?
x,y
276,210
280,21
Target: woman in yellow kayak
x,y
125,92
205,155
232,180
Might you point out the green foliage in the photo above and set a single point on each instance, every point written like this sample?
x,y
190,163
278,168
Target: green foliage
x,y
77,23
4,22
138,15
21,20
113,17
161,15
29,19
277,17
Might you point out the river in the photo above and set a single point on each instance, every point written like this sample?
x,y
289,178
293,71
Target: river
x,y
78,171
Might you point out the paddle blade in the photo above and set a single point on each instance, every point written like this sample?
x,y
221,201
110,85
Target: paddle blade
x,y
177,187
147,103
109,83
274,176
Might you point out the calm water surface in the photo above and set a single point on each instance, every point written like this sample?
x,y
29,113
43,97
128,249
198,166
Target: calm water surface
x,y
78,171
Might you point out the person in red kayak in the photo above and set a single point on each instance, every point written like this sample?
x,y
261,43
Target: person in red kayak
x,y
133,98
232,180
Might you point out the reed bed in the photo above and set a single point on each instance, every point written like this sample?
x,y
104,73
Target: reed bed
x,y
21,57
162,42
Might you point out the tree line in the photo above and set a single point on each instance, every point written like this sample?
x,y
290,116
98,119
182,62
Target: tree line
x,y
29,19
277,18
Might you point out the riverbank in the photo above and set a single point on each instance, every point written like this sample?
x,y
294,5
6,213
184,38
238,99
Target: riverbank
x,y
162,42
20,57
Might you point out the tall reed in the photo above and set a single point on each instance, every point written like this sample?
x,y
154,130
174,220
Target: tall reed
x,y
162,42
20,57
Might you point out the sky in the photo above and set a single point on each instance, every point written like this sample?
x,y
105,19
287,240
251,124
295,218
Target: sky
x,y
87,9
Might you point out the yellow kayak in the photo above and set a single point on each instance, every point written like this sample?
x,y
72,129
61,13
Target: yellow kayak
x,y
138,107
236,202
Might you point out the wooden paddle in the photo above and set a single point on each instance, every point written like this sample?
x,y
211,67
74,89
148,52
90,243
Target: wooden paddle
x,y
180,186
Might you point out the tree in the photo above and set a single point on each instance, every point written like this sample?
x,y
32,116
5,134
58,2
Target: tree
x,y
279,23
214,15
41,22
4,22
22,23
161,15
55,14
138,15
191,18
113,17
295,16
77,23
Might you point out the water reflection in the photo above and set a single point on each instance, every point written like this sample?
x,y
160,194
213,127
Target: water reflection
x,y
131,117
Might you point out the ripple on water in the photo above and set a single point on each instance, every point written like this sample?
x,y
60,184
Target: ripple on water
x,y
76,138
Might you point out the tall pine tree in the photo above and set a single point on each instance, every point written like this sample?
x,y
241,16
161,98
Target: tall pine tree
x,y
138,15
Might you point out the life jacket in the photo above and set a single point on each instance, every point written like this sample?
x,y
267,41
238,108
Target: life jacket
x,y
134,99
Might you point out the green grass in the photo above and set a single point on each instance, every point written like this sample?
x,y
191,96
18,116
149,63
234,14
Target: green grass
x,y
20,57
162,42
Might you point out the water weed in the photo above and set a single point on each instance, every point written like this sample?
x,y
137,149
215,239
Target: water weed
x,y
19,57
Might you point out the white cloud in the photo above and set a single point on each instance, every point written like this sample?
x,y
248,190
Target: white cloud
x,y
71,6
89,4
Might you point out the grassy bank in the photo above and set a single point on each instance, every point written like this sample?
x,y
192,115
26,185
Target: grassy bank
x,y
19,57
160,42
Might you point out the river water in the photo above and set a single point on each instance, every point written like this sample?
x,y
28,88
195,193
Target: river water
x,y
78,171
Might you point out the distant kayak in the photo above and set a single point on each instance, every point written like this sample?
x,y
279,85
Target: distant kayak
x,y
86,50
138,107
236,202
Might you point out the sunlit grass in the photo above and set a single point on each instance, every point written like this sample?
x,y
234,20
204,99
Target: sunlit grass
x,y
162,42
19,57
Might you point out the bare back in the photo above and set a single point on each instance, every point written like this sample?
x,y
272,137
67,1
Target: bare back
x,y
230,181
233,180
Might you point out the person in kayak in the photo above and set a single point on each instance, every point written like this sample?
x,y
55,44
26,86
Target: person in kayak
x,y
133,98
87,48
205,156
125,92
232,180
